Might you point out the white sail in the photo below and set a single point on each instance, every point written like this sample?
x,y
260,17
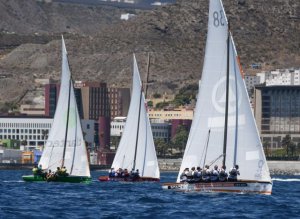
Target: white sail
x,y
242,137
137,136
75,156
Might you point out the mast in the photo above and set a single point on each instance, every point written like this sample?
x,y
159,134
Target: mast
x,y
227,100
147,76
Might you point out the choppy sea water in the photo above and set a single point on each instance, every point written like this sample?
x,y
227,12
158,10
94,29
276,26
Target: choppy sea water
x,y
139,200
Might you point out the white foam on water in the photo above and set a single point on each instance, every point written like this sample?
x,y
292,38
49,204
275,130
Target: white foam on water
x,y
13,181
286,180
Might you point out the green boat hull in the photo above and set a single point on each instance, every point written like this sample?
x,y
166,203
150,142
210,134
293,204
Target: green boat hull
x,y
68,179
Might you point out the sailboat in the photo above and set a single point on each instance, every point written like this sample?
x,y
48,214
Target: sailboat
x,y
65,146
136,150
224,131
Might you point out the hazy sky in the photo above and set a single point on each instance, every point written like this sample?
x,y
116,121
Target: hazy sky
x,y
143,3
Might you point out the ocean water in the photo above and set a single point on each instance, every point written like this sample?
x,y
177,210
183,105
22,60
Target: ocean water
x,y
139,200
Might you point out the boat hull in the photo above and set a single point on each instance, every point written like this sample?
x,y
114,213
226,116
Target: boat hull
x,y
68,179
127,179
258,187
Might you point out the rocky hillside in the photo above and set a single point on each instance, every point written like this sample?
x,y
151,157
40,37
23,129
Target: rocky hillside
x,y
100,45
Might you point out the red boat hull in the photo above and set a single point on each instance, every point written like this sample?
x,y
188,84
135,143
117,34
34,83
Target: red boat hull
x,y
127,179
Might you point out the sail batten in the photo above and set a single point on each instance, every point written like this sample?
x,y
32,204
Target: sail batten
x,y
144,157
243,143
65,145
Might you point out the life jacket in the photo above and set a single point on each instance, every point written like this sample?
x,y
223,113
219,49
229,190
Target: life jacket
x,y
233,172
35,170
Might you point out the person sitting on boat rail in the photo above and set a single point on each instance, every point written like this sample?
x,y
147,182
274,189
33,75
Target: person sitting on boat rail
x,y
111,172
50,175
198,174
119,172
214,175
64,171
183,176
58,171
233,173
223,175
190,174
206,174
134,174
35,170
125,173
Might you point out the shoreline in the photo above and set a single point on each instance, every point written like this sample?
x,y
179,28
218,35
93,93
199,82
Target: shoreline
x,y
173,165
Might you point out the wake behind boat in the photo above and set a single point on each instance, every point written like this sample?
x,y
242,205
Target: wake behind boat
x,y
65,151
135,160
223,131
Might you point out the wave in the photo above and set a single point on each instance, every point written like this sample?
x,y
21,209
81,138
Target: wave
x,y
286,180
13,181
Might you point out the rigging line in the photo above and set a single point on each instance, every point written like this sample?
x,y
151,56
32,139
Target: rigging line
x,y
207,142
227,98
50,153
215,160
138,127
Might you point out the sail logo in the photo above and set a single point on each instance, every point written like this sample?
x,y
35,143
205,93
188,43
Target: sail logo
x,y
219,95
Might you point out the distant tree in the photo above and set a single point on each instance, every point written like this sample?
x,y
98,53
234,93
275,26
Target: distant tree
x,y
287,143
180,139
156,95
298,149
161,147
293,148
185,95
161,105
150,103
266,146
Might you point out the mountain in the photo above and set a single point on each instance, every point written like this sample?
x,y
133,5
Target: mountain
x,y
100,45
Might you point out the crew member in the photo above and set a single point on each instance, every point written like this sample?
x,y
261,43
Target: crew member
x,y
206,174
214,176
223,175
233,173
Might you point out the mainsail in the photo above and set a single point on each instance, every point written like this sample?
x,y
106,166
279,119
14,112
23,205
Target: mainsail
x,y
136,149
65,145
205,142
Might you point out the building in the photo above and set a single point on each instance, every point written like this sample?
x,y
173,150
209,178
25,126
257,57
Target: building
x,y
29,109
160,129
166,114
127,16
51,98
33,132
277,113
283,77
93,99
251,81
10,155
119,100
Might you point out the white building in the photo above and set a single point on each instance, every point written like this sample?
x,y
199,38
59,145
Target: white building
x,y
35,130
251,81
127,16
160,129
282,77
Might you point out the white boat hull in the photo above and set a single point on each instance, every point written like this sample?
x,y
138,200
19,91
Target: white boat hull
x,y
234,187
